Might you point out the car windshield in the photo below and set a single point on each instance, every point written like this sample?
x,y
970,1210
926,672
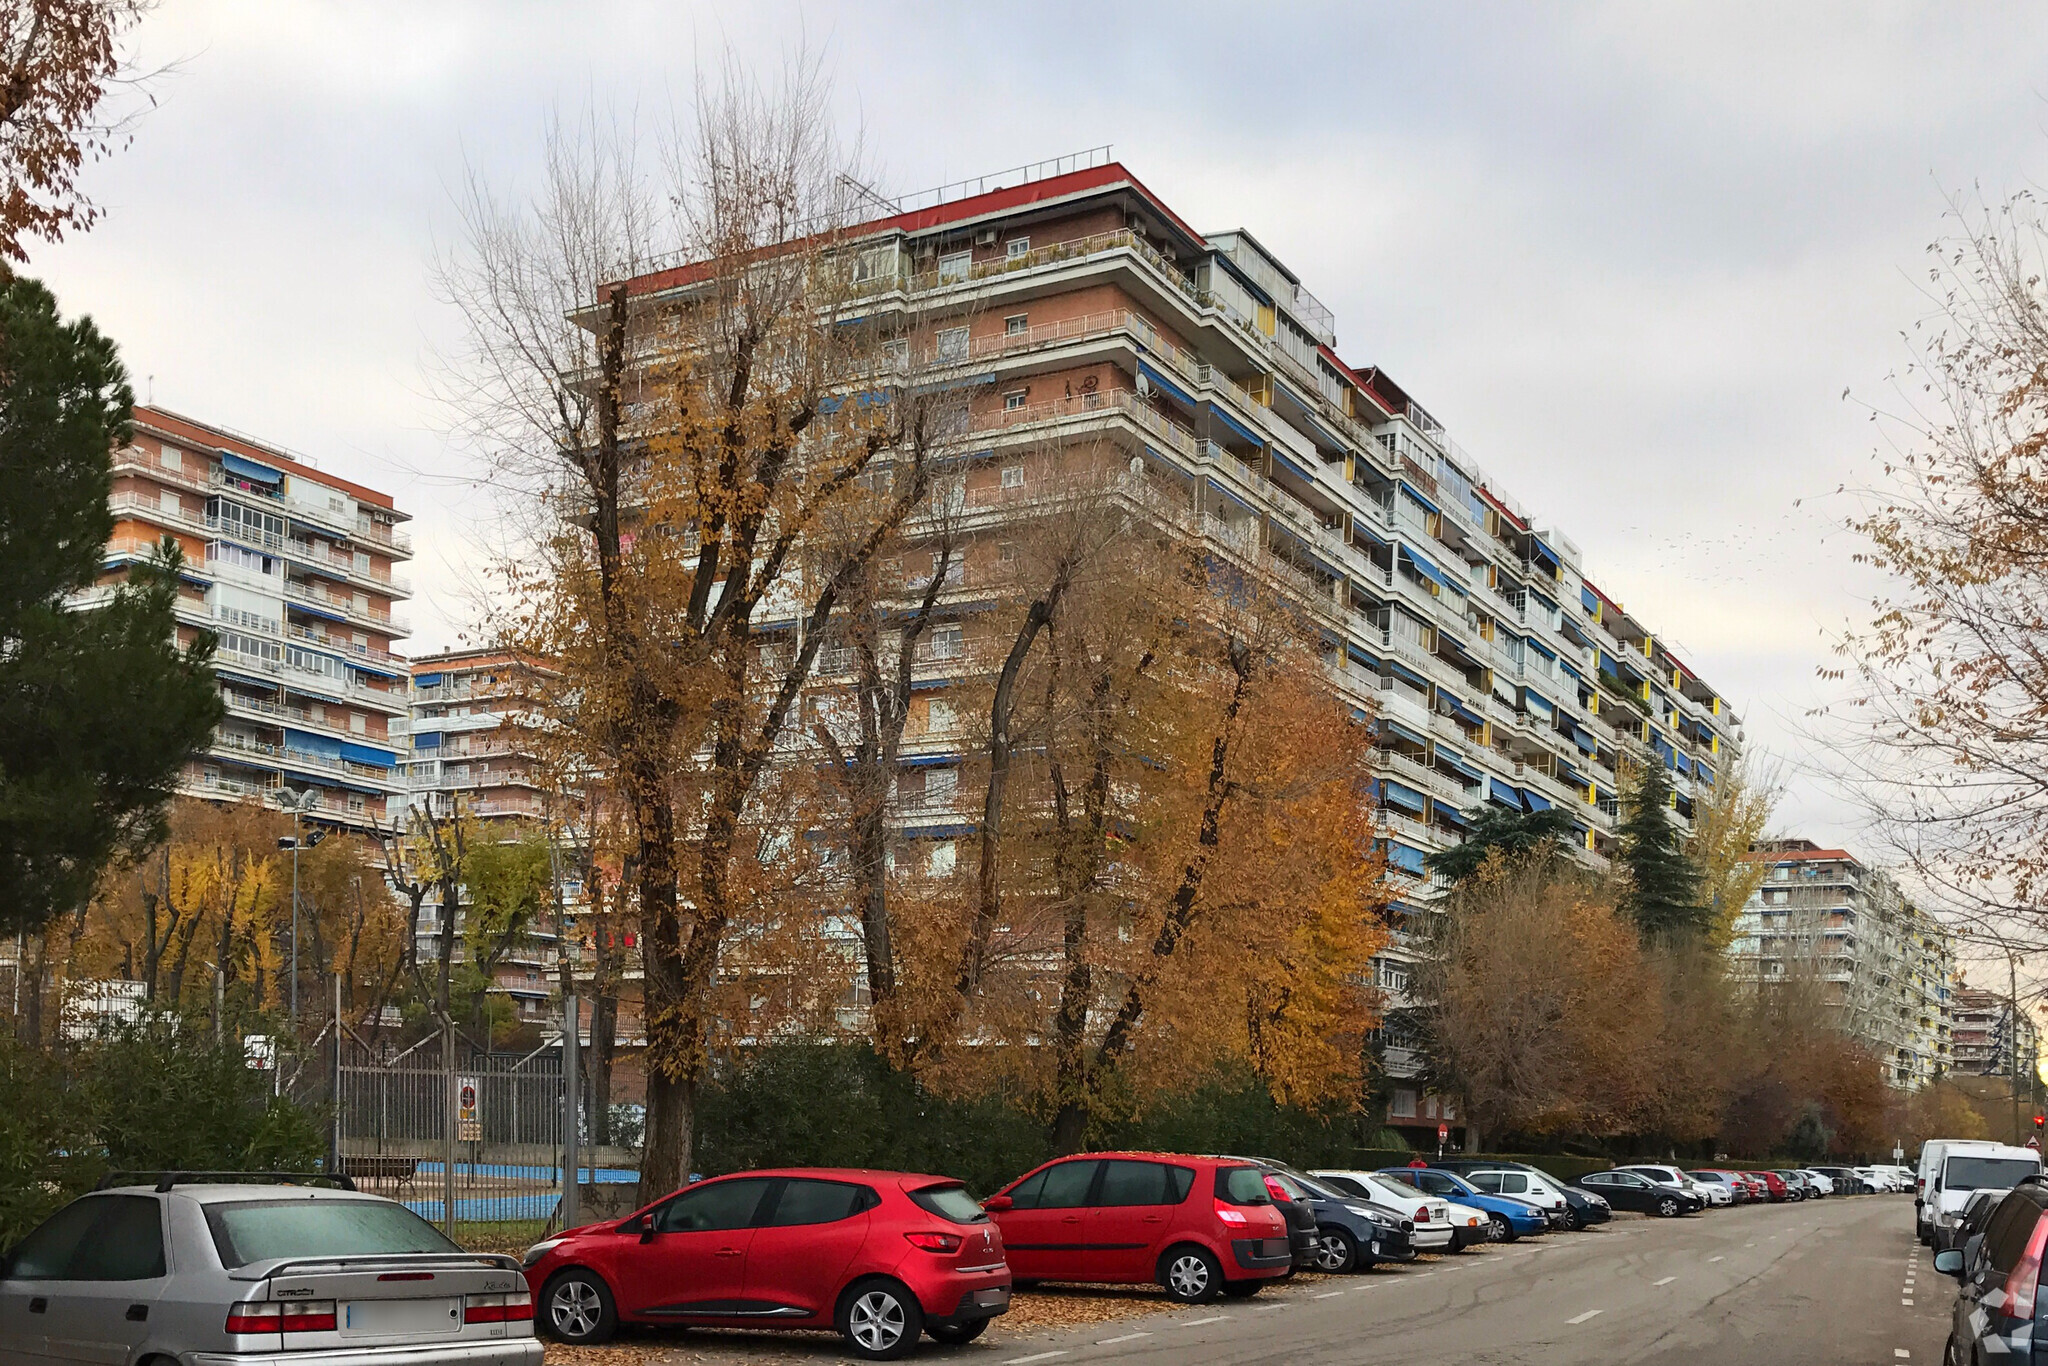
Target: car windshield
x,y
950,1202
1977,1173
1402,1184
247,1231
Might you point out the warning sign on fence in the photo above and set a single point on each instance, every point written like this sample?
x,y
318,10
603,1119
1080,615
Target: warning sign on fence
x,y
469,1125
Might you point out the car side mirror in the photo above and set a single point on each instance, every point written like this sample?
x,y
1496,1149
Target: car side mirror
x,y
996,1204
644,1226
1949,1263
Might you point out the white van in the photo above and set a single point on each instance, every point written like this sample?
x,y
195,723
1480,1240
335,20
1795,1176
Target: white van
x,y
1951,1170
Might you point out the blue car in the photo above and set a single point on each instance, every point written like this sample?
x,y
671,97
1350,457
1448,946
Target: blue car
x,y
1511,1218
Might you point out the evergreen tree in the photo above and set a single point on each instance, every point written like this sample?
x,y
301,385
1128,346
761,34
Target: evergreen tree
x,y
1514,833
99,707
1663,896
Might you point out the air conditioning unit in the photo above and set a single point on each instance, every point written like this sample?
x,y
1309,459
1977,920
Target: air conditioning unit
x,y
985,238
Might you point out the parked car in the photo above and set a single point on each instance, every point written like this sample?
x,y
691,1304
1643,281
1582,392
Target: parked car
x,y
1970,1222
880,1257
1824,1185
1583,1207
1428,1216
1801,1186
1198,1226
1508,1218
1529,1186
1997,1314
1626,1189
1672,1176
1303,1242
1850,1180
1933,1153
184,1270
1732,1183
1963,1172
1348,1233
1774,1187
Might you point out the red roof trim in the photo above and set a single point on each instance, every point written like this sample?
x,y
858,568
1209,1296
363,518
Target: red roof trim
x,y
1802,856
199,434
1518,523
1348,373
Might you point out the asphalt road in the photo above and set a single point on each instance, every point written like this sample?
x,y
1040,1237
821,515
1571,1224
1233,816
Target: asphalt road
x,y
1837,1280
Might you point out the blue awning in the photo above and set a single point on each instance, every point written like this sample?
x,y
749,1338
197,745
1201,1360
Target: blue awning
x,y
1534,800
1405,857
1589,600
1360,529
1298,471
1452,761
1544,552
425,680
937,832
1359,656
1540,648
1507,796
429,740
1151,372
1390,727
1583,738
1451,816
928,760
1403,671
249,469
1399,795
1409,489
1432,573
1243,431
325,615
1530,695
1231,496
326,746
363,754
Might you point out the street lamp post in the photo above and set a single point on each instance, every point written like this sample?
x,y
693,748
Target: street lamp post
x,y
298,803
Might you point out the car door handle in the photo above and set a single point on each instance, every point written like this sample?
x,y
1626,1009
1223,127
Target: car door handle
x,y
1071,1219
729,1252
38,1305
138,1313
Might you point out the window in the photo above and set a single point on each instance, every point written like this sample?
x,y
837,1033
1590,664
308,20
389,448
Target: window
x,y
949,1202
896,351
938,716
948,642
1006,553
1017,247
1012,402
1486,1181
168,500
255,1230
952,343
712,1206
1016,325
356,805
357,724
173,458
1064,1185
1241,1186
941,784
819,1202
98,1238
362,562
1142,1183
955,266
1013,475
1402,1105
944,858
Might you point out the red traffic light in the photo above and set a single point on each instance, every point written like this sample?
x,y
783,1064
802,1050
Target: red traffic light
x,y
2040,1120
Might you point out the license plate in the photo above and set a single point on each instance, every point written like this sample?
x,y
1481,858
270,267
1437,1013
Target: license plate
x,y
368,1318
988,1299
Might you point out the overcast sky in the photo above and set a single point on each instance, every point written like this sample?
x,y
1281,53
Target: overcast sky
x,y
1630,255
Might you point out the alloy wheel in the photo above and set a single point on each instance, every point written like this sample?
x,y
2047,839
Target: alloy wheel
x,y
1188,1276
876,1321
1497,1229
1331,1253
575,1309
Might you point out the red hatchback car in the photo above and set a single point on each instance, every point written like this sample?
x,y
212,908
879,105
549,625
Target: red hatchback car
x,y
1199,1226
879,1256
1773,1184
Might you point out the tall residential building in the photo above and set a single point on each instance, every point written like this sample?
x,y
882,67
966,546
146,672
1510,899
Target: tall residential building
x,y
1885,962
293,568
474,749
1987,1028
1087,311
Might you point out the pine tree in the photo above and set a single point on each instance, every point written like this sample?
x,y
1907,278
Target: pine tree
x,y
1663,896
99,706
1516,834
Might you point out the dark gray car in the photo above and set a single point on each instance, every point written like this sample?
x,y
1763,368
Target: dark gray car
x,y
248,1275
1998,1311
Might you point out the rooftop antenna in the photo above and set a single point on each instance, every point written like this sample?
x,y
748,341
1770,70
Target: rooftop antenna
x,y
149,391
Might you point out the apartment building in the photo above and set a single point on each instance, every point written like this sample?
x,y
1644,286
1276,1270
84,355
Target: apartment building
x,y
1885,962
1498,673
294,570
475,750
1988,1031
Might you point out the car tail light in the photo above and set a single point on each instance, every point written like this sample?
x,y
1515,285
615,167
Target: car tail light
x,y
271,1316
516,1307
2025,1277
1422,1214
934,1242
1275,1189
1230,1214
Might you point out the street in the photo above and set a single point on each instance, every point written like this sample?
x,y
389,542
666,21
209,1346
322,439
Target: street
x,y
1813,1283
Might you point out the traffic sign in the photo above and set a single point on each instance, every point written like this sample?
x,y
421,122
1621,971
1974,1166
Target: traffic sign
x,y
469,1125
1443,1132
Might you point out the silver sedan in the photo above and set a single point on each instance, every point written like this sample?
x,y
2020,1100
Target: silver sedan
x,y
251,1275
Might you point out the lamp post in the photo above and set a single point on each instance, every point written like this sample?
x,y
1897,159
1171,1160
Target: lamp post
x,y
298,803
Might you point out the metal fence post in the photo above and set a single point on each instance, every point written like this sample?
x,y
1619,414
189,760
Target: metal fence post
x,y
448,1126
572,1026
334,1140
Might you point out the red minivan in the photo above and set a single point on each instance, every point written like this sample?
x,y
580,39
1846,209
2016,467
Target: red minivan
x,y
1199,1226
879,1256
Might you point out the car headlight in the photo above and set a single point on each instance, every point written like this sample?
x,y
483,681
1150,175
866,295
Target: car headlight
x,y
540,1250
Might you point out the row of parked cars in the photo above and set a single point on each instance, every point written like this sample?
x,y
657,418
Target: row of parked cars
x,y
184,1265
1983,1207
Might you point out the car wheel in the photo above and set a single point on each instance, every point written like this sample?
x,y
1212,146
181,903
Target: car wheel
x,y
1574,1222
1336,1251
1190,1274
879,1319
1668,1207
1242,1290
576,1307
954,1334
1498,1230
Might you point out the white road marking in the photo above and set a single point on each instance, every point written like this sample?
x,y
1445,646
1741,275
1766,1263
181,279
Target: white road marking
x,y
1197,1323
1666,1281
1716,1259
1590,1313
1905,1304
1902,1354
1329,1295
1129,1337
1041,1356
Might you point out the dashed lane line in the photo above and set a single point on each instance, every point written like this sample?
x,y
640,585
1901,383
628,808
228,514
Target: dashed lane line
x,y
1590,1313
1666,1281
1717,1259
1037,1356
1127,1337
1197,1323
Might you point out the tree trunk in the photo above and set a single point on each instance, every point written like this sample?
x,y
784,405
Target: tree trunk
x,y
33,987
604,1041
